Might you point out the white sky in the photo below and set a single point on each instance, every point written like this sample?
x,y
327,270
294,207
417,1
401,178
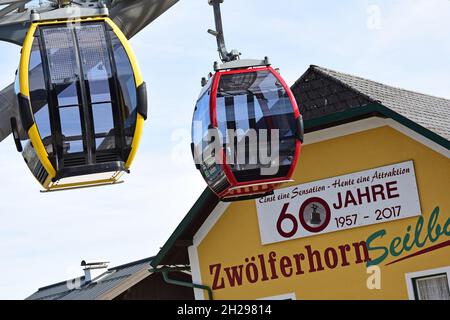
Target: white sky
x,y
44,237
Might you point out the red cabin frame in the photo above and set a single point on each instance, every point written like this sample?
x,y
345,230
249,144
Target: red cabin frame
x,y
256,187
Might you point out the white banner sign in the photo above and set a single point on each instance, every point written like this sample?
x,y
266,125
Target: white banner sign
x,y
349,201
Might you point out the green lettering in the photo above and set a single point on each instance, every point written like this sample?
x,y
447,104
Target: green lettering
x,y
447,228
399,245
417,233
376,261
394,244
406,239
431,225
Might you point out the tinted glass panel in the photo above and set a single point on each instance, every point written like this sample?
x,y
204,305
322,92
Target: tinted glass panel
x,y
43,123
73,146
87,102
70,121
63,72
93,51
210,170
38,96
62,59
99,90
105,143
253,103
96,65
67,95
201,121
103,118
95,61
103,125
127,88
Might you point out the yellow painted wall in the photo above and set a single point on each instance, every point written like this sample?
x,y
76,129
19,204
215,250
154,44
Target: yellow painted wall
x,y
236,235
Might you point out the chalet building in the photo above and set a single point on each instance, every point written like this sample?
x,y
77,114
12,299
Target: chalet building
x,y
367,215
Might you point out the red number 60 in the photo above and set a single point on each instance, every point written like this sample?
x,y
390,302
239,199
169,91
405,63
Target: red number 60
x,y
286,216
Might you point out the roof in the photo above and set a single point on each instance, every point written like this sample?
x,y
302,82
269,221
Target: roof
x,y
432,113
328,98
113,278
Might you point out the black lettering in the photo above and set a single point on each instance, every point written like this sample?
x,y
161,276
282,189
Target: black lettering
x,y
391,187
377,189
362,195
338,205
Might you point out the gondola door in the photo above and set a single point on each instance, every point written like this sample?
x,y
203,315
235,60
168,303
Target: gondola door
x,y
85,117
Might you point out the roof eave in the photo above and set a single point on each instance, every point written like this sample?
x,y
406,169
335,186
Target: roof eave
x,y
375,109
206,197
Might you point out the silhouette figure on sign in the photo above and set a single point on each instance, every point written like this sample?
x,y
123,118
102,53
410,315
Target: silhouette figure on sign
x,y
315,216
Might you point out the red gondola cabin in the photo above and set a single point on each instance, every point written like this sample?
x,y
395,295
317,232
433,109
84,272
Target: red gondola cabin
x,y
251,110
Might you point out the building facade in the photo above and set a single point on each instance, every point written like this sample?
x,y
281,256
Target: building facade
x,y
367,215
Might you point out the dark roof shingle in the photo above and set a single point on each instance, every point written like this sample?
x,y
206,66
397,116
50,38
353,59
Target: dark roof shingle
x,y
428,111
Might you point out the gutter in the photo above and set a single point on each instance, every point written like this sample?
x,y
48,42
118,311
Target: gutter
x,y
165,272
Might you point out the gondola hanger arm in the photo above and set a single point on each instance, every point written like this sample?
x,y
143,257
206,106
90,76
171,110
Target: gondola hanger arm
x,y
225,56
231,59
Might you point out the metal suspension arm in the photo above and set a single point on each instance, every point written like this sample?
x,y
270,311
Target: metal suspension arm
x,y
225,56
